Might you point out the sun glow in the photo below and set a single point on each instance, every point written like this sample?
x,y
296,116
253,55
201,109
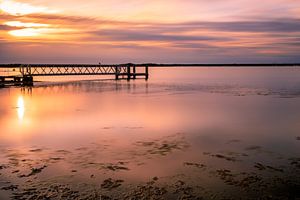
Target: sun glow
x,y
35,32
17,9
20,108
26,25
29,29
26,32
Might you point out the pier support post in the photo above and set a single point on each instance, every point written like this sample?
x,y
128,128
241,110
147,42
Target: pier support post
x,y
117,73
128,73
2,80
146,72
134,72
21,69
27,80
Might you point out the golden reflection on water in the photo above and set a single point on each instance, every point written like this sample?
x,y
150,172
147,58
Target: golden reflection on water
x,y
20,108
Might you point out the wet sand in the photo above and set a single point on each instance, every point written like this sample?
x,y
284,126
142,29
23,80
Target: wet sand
x,y
39,173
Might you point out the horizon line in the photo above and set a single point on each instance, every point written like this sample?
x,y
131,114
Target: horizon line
x,y
15,65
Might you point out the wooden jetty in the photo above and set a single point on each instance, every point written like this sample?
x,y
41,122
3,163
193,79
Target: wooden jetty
x,y
128,71
26,72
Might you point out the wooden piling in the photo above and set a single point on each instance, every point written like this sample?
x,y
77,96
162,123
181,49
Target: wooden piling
x,y
128,73
27,80
2,80
146,72
117,73
134,72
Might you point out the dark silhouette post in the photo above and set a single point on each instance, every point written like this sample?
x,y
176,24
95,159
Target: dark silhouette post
x,y
146,72
28,80
117,73
2,81
134,72
128,72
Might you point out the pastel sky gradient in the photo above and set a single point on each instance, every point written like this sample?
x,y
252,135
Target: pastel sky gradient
x,y
161,31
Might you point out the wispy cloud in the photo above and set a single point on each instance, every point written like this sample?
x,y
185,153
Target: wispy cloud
x,y
198,38
18,9
5,27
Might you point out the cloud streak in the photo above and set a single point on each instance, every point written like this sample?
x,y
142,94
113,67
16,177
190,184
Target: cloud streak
x,y
268,38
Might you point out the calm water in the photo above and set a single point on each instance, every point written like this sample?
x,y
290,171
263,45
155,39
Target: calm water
x,y
186,132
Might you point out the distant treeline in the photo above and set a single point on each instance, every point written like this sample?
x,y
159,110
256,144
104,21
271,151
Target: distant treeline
x,y
222,65
165,65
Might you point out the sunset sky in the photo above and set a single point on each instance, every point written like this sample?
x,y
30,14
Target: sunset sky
x,y
162,31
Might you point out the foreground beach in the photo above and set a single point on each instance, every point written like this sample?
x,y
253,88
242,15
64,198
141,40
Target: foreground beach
x,y
191,134
64,174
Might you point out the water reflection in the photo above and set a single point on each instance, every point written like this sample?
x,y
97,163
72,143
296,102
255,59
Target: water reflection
x,y
194,137
20,108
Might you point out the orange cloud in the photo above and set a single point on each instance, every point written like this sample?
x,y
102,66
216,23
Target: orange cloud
x,y
176,29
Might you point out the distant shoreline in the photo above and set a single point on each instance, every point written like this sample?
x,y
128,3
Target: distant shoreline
x,y
166,65
223,65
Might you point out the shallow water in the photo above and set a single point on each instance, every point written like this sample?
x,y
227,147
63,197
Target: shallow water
x,y
185,133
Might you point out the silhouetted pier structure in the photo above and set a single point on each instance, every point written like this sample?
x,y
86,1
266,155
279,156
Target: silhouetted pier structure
x,y
128,71
26,72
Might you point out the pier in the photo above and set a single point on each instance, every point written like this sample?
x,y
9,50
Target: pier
x,y
25,73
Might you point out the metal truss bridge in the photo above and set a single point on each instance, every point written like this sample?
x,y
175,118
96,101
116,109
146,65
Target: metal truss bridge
x,y
26,72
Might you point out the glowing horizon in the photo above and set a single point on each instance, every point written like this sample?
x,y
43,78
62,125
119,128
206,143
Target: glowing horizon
x,y
149,31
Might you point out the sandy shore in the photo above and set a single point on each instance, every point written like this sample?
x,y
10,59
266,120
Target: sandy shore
x,y
43,173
